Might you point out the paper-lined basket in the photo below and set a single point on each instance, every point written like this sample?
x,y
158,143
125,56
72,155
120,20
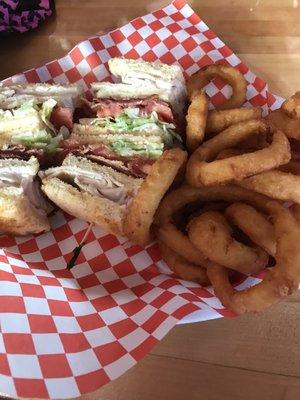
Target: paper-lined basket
x,y
64,333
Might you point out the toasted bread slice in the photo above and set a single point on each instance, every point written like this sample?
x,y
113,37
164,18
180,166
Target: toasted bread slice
x,y
19,124
98,210
17,215
123,91
126,68
87,127
168,78
85,189
13,96
20,167
80,166
106,138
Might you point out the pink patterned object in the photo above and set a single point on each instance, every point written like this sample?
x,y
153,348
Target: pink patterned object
x,y
22,15
65,333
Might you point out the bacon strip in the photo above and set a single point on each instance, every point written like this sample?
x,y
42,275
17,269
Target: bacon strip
x,y
22,153
136,166
113,108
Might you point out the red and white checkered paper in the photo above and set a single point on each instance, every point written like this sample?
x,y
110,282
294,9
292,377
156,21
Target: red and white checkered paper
x,y
64,333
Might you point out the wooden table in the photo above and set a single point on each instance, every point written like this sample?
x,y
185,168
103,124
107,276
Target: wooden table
x,y
252,357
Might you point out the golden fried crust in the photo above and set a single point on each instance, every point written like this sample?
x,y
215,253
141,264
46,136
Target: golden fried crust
x,y
196,120
183,268
275,184
143,207
218,120
204,170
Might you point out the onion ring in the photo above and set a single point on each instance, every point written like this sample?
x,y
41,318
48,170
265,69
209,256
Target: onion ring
x,y
275,184
139,217
181,244
204,170
219,120
196,120
179,198
184,195
279,120
229,74
254,224
212,235
279,282
183,268
291,106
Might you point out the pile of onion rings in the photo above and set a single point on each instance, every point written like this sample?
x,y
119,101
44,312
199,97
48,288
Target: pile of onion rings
x,y
230,216
212,241
239,146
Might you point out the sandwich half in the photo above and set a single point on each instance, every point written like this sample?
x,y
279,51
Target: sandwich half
x,y
126,128
128,125
141,80
34,118
95,193
23,208
14,96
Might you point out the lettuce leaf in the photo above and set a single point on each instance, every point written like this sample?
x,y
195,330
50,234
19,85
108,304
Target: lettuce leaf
x,y
25,108
45,113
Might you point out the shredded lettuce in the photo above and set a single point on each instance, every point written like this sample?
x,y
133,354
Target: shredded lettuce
x,y
53,146
26,107
45,112
130,121
35,130
31,139
40,140
126,148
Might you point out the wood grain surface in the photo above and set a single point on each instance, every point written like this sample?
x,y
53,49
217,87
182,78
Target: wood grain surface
x,y
248,358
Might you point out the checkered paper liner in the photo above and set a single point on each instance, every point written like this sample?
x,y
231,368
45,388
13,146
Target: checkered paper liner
x,y
64,333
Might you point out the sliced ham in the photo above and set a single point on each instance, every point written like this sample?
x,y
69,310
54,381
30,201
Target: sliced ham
x,y
62,116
